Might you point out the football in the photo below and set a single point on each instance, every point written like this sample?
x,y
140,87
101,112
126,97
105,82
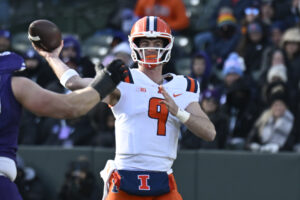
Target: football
x,y
44,34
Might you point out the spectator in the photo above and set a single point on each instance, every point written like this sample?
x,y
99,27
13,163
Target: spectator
x,y
173,12
277,58
128,18
210,104
36,69
267,12
103,122
79,183
272,58
66,133
201,70
122,19
120,51
277,28
237,100
277,73
273,127
251,48
286,11
221,41
291,46
71,52
5,40
109,39
252,14
29,128
233,70
242,110
237,6
29,184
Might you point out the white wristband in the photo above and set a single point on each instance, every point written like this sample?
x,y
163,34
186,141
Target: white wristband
x,y
182,115
67,75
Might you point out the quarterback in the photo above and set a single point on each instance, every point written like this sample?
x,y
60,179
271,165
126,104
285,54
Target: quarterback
x,y
149,108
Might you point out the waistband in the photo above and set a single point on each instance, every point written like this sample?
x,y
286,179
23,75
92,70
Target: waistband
x,y
172,182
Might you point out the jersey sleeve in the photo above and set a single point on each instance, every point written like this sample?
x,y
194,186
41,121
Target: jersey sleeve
x,y
192,90
128,78
11,62
124,88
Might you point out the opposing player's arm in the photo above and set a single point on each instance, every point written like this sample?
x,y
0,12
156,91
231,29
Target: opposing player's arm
x,y
71,79
46,103
76,82
193,117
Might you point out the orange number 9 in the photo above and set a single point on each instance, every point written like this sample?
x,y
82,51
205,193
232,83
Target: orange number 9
x,y
160,112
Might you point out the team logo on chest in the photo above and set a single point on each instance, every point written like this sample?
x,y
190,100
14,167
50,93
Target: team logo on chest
x,y
141,89
144,182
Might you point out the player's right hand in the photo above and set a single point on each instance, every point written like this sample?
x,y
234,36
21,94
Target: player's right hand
x,y
107,79
54,54
118,70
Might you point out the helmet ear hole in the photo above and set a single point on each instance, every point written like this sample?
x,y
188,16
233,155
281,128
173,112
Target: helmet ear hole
x,y
137,55
136,41
164,55
165,41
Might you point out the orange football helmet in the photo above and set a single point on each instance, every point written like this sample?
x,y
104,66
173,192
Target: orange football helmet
x,y
151,27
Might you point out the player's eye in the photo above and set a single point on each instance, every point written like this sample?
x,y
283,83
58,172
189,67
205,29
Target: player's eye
x,y
158,43
144,44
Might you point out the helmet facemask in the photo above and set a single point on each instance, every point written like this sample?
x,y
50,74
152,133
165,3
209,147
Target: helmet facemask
x,y
151,27
160,54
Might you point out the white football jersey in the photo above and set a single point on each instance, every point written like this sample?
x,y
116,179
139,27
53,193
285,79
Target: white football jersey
x,y
146,133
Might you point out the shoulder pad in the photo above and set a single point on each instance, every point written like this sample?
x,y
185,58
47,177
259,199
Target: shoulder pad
x,y
128,78
10,62
192,85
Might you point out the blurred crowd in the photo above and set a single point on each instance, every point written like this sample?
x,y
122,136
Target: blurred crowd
x,y
247,64
79,182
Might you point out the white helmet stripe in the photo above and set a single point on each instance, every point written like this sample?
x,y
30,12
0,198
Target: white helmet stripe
x,y
151,23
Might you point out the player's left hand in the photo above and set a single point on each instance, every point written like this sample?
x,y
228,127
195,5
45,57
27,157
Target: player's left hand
x,y
168,101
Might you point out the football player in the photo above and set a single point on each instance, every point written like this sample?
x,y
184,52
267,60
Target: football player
x,y
16,92
149,108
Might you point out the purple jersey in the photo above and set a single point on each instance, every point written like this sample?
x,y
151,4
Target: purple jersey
x,y
10,109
